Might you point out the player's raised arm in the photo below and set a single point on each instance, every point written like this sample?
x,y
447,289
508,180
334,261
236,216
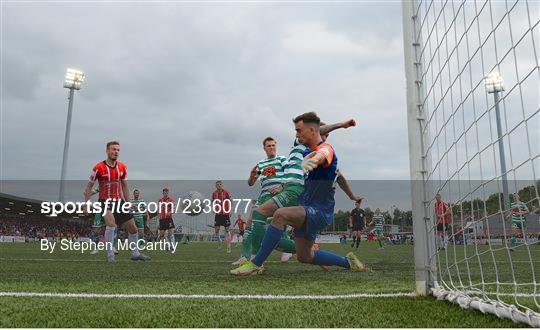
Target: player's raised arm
x,y
344,185
326,129
322,156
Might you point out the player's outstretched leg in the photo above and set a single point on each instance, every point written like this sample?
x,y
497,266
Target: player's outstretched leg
x,y
259,223
325,258
287,246
296,217
269,242
246,248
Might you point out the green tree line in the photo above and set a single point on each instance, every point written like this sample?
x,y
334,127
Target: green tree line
x,y
481,208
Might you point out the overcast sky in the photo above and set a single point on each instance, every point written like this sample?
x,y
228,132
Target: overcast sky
x,y
191,89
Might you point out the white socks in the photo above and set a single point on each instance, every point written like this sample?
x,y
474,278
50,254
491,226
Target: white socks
x,y
109,239
132,239
171,239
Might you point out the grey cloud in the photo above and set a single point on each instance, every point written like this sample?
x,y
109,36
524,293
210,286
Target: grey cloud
x,y
190,90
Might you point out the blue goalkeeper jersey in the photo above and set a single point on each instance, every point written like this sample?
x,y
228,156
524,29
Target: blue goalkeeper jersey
x,y
319,187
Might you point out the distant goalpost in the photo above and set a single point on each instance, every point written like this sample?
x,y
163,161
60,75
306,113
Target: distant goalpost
x,y
473,118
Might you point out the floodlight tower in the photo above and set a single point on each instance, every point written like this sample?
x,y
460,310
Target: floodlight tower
x,y
494,85
73,81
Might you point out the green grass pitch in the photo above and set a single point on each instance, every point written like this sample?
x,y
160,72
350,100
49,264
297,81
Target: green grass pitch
x,y
201,268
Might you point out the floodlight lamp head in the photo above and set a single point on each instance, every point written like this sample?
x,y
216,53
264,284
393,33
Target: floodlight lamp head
x,y
73,79
494,82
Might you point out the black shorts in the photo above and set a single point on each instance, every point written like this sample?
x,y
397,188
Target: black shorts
x,y
166,224
119,217
440,227
357,227
222,220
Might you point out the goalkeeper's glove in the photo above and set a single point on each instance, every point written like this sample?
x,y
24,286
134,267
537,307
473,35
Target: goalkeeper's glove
x,y
309,164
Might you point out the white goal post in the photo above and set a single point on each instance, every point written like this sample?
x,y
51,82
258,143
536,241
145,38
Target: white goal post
x,y
473,115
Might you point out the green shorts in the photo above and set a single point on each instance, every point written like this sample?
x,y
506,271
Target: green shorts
x,y
289,195
98,221
139,221
518,225
379,232
262,199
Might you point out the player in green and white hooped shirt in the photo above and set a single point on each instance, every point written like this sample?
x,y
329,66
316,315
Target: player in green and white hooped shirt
x,y
378,220
518,212
139,205
292,183
269,172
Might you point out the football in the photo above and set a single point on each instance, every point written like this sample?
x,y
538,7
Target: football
x,y
192,203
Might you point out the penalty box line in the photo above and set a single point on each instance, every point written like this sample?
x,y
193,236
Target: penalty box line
x,y
206,296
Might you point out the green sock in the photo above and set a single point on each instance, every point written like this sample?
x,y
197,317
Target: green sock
x,y
246,243
513,241
257,231
286,244
380,242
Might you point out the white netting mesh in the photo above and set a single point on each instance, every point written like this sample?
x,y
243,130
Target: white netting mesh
x,y
484,146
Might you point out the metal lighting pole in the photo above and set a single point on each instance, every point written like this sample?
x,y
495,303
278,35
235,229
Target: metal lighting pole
x,y
73,81
494,85
392,211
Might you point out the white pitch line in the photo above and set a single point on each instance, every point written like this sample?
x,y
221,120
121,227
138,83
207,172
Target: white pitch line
x,y
192,261
220,296
128,260
206,296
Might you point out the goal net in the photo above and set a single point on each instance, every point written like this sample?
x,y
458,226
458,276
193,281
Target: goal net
x,y
473,117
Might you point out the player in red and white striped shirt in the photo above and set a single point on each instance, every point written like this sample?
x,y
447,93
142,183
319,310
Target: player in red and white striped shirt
x,y
442,213
166,222
222,202
111,176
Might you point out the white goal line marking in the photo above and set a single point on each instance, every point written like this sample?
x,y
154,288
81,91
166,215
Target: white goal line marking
x,y
206,296
228,296
195,261
129,260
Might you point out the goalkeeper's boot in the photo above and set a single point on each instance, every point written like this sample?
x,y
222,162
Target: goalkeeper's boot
x,y
354,263
314,248
246,269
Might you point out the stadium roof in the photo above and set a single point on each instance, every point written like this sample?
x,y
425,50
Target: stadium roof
x,y
11,204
